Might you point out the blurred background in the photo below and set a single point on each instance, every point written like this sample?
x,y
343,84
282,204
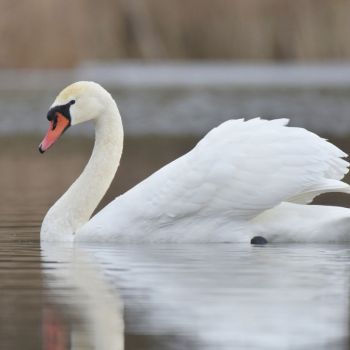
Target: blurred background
x,y
176,69
63,34
180,66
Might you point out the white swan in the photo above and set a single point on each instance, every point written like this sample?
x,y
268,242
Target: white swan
x,y
243,179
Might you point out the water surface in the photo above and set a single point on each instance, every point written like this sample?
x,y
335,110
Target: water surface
x,y
209,296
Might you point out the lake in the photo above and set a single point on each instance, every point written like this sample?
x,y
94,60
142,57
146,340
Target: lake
x,y
207,296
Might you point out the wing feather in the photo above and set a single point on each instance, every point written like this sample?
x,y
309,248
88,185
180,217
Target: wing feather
x,y
245,167
238,170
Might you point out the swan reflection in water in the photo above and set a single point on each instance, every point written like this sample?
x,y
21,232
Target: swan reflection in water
x,y
198,297
76,284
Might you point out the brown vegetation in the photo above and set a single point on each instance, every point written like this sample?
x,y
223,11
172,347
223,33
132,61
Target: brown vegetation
x,y
62,33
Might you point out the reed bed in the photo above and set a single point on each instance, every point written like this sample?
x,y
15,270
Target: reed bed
x,y
62,33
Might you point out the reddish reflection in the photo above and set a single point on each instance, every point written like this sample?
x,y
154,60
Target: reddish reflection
x,y
56,335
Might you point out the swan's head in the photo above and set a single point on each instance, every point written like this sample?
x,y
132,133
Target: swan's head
x,y
77,103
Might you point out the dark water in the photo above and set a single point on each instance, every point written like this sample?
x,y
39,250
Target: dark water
x,y
209,296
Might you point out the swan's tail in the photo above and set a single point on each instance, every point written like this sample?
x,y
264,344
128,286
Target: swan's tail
x,y
290,222
326,186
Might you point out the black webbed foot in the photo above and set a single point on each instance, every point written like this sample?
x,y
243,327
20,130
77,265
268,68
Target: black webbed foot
x,y
260,240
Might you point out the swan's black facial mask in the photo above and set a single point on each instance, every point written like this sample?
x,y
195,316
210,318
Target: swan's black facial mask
x,y
60,120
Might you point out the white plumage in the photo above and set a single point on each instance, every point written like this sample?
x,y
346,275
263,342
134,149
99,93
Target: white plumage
x,y
244,178
239,170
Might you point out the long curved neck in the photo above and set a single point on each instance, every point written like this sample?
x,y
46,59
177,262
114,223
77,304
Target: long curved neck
x,y
76,206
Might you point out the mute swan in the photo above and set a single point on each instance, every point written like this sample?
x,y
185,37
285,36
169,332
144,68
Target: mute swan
x,y
243,179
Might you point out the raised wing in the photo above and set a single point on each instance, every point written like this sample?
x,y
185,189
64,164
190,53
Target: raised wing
x,y
238,170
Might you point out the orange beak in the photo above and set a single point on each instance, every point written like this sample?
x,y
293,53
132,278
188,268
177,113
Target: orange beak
x,y
56,129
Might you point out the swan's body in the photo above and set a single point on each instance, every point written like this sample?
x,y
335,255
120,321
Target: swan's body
x,y
244,178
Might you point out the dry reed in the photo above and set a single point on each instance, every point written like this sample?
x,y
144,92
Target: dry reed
x,y
62,33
